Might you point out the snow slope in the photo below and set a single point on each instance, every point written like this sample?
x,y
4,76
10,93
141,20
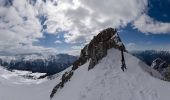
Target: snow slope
x,y
17,77
105,81
15,87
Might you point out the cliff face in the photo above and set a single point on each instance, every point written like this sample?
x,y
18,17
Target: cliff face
x,y
97,48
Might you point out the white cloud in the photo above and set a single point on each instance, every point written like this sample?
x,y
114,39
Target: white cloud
x,y
82,17
79,18
77,47
74,52
147,24
130,46
58,42
19,25
20,49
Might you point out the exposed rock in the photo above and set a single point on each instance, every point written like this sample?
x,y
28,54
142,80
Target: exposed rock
x,y
162,67
97,48
159,65
167,73
65,78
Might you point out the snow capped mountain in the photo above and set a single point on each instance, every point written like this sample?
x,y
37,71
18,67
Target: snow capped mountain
x,y
44,63
95,75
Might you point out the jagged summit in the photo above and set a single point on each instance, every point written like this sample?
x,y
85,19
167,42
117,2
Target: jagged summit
x,y
97,48
94,52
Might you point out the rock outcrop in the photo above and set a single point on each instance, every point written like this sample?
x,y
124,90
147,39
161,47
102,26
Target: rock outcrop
x,y
162,67
97,48
159,65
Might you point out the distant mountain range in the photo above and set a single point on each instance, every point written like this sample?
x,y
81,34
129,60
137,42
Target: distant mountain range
x,y
43,63
148,56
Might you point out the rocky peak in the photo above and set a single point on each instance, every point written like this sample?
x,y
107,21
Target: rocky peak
x,y
94,51
97,48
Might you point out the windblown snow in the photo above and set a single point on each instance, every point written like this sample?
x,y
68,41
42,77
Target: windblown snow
x,y
105,81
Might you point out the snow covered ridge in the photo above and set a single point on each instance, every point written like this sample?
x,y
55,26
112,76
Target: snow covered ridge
x,y
106,81
93,52
101,54
43,63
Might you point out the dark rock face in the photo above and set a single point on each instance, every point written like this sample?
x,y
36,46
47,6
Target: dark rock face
x,y
98,47
65,78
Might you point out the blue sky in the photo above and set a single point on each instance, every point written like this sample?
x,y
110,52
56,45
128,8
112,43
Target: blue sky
x,y
49,40
65,26
142,41
159,10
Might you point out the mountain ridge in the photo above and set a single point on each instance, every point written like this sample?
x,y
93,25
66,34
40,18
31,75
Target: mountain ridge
x,y
49,64
93,52
107,81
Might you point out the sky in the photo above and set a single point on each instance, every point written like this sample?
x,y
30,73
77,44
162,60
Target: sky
x,y
65,26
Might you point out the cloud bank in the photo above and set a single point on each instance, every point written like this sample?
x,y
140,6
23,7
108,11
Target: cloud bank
x,y
20,26
23,22
82,17
147,24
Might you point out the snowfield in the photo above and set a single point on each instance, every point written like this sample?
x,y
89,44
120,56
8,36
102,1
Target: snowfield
x,y
105,81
